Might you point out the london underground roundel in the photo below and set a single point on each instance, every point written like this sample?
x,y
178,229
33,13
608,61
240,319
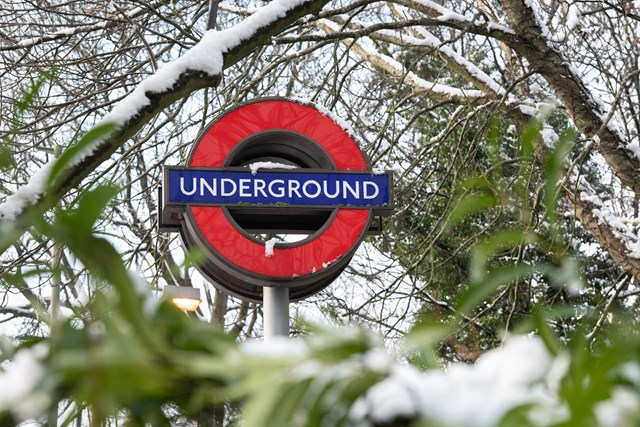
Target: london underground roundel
x,y
267,168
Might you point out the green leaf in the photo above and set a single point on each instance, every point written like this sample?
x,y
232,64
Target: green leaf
x,y
500,241
553,169
477,292
545,332
492,149
471,205
95,134
91,206
36,85
420,343
6,158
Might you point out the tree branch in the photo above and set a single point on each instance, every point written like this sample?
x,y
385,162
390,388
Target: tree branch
x,y
584,108
174,81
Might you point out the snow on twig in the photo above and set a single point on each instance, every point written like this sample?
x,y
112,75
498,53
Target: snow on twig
x,y
68,32
624,229
446,15
26,195
429,40
390,65
206,56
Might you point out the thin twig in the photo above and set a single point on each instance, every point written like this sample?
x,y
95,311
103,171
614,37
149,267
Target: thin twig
x,y
152,59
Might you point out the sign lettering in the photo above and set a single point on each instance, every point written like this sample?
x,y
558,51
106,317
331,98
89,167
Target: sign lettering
x,y
220,187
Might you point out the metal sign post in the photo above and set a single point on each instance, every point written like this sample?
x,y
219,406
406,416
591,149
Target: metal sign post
x,y
275,312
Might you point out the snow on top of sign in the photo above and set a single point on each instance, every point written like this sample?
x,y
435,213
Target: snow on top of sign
x,y
205,56
256,166
328,113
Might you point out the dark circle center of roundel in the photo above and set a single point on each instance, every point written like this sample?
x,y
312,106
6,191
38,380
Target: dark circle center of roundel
x,y
288,148
284,145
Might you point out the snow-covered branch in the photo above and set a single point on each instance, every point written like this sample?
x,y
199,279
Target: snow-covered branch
x,y
80,29
586,110
200,67
420,86
605,228
454,60
477,24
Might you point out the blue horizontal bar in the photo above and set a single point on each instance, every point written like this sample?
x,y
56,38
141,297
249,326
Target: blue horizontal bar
x,y
278,188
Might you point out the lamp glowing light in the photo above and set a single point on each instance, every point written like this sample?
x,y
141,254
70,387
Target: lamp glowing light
x,y
185,298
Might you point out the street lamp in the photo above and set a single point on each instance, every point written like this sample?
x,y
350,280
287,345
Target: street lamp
x,y
183,297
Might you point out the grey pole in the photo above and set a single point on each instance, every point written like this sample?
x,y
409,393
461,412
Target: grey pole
x,y
55,303
275,312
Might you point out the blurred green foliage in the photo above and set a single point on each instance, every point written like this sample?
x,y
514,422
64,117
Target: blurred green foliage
x,y
138,360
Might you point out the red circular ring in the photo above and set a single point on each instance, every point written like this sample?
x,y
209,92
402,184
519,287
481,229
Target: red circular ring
x,y
341,234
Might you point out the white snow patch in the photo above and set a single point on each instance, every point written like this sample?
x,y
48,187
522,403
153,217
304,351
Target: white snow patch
x,y
620,410
445,14
268,246
491,26
634,249
549,136
276,347
26,195
19,384
591,198
328,263
634,147
573,17
378,360
256,166
539,18
528,110
471,395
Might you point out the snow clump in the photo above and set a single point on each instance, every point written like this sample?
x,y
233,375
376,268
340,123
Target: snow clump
x,y
269,245
467,395
19,384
